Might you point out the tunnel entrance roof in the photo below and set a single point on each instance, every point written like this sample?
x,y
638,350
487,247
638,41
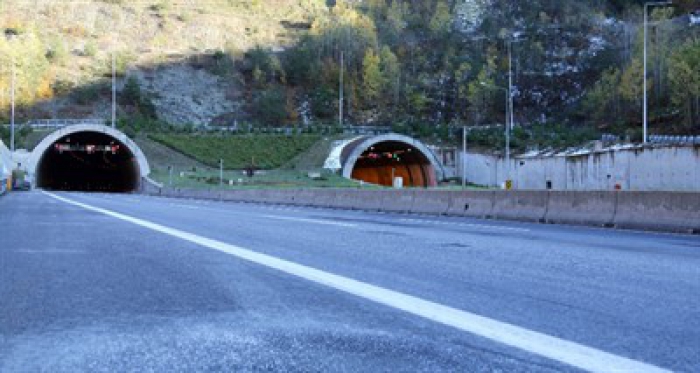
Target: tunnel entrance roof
x,y
87,157
378,159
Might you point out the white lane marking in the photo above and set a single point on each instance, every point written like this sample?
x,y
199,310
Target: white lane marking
x,y
57,251
286,218
554,348
305,220
471,225
185,206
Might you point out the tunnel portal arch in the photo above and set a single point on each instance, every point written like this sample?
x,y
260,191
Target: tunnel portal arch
x,y
88,157
376,159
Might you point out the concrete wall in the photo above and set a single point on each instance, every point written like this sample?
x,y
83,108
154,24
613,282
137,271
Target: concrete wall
x,y
6,166
637,169
662,211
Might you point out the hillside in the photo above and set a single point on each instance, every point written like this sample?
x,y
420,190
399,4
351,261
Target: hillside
x,y
181,52
419,66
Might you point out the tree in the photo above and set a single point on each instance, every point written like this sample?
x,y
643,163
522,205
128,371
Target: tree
x,y
602,102
372,80
391,73
631,84
271,106
344,29
481,95
685,81
395,21
462,76
441,22
132,95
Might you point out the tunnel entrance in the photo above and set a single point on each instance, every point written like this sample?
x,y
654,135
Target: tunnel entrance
x,y
384,161
88,161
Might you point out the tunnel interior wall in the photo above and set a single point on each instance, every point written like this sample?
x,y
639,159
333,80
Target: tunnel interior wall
x,y
88,161
384,160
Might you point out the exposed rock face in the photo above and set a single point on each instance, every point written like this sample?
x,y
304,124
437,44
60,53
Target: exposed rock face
x,y
183,94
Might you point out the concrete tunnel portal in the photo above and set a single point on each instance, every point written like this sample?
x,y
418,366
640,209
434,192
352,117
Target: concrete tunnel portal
x,y
381,159
97,159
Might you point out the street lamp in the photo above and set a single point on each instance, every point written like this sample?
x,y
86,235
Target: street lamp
x,y
114,90
12,99
12,105
340,90
509,121
464,157
645,109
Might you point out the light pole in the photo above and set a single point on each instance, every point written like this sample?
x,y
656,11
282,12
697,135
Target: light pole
x,y
645,109
12,98
508,124
221,172
510,82
464,157
12,106
114,91
340,90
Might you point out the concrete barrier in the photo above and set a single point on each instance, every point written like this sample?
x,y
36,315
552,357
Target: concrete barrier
x,y
324,197
473,204
525,205
398,201
581,208
363,199
305,197
431,202
661,211
150,186
679,212
268,196
238,195
344,198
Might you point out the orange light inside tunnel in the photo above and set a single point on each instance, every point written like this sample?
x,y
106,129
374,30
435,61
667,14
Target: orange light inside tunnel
x,y
384,161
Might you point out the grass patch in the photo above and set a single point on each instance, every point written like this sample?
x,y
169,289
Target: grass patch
x,y
235,179
238,151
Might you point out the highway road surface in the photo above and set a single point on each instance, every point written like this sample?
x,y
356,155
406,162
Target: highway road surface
x,y
110,282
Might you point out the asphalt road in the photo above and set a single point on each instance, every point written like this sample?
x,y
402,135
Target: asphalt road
x,y
136,283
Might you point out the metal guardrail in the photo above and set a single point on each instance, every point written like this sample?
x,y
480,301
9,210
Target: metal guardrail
x,y
657,139
244,128
675,140
55,123
347,130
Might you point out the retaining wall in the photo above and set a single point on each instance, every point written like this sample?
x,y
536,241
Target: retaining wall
x,y
658,211
637,168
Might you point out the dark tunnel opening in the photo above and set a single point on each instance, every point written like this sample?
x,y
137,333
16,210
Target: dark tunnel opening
x,y
88,161
384,161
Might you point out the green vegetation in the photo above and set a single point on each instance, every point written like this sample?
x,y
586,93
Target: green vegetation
x,y
433,64
420,66
23,137
238,152
615,100
198,178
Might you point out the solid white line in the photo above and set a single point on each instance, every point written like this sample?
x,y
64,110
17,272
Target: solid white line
x,y
305,220
554,348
